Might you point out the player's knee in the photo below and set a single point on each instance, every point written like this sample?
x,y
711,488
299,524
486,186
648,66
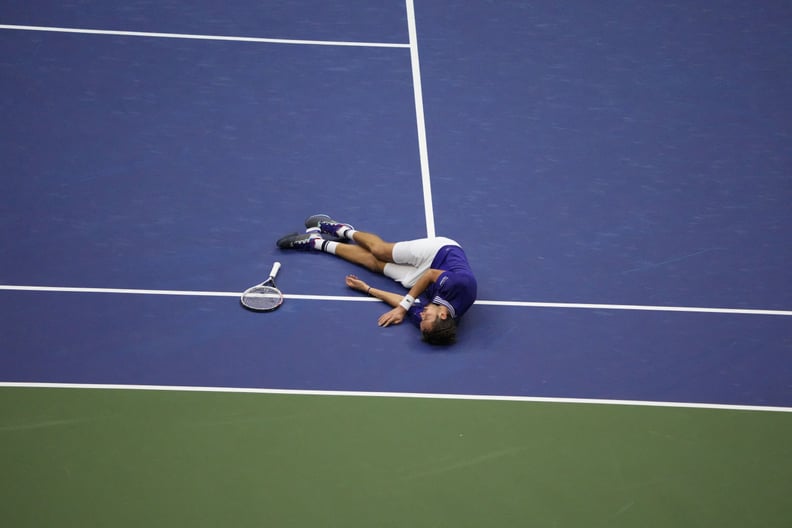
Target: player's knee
x,y
383,251
374,264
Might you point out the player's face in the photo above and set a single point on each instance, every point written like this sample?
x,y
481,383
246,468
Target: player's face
x,y
429,315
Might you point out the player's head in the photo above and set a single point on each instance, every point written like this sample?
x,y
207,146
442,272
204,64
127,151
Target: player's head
x,y
437,325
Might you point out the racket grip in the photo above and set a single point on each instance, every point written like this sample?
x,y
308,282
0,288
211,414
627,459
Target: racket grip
x,y
275,269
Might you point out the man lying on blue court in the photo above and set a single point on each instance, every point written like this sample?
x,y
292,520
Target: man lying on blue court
x,y
435,270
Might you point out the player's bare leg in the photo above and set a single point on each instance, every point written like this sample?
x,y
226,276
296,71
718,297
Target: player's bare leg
x,y
382,250
369,250
373,244
357,255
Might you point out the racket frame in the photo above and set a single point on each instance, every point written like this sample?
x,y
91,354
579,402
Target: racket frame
x,y
269,283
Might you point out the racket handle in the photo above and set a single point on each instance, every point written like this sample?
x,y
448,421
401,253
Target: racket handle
x,y
275,269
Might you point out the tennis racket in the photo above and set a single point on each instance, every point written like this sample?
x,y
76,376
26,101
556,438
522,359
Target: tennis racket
x,y
264,297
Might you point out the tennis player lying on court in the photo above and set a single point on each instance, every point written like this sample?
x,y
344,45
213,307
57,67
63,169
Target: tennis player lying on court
x,y
435,270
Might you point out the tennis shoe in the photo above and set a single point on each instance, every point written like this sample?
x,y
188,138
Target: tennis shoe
x,y
325,236
327,225
300,242
336,229
313,221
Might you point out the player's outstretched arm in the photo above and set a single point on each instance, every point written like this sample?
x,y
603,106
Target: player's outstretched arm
x,y
390,298
397,313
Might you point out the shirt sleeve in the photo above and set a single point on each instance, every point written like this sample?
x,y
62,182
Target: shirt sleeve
x,y
456,291
414,313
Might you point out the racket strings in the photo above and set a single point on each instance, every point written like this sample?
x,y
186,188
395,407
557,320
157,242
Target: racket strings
x,y
262,298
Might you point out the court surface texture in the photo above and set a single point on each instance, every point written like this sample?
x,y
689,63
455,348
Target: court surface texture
x,y
618,174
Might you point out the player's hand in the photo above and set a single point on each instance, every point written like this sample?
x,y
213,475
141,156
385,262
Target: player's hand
x,y
392,317
356,284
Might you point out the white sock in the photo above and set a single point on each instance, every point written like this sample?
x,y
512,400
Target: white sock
x,y
347,233
328,246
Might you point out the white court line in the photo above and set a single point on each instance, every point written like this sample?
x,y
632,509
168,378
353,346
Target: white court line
x,y
513,304
637,307
186,293
203,37
414,395
420,121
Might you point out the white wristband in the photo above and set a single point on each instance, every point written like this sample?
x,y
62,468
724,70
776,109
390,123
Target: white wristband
x,y
407,302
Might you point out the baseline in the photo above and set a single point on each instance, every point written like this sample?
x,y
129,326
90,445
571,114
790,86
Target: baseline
x,y
371,394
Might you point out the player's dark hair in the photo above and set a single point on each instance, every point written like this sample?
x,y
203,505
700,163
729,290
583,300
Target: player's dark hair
x,y
443,332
